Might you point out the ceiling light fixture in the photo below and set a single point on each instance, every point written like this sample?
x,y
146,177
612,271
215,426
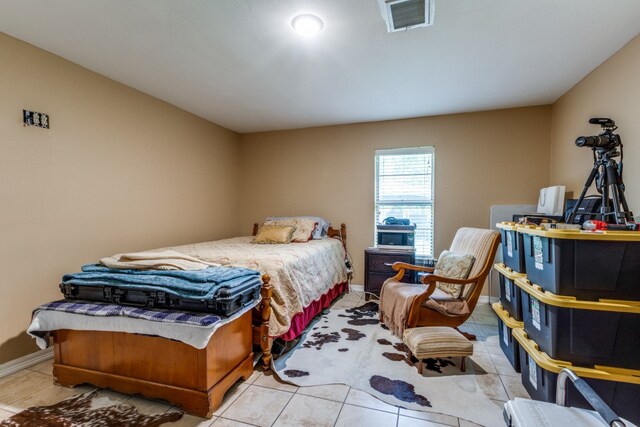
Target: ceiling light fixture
x,y
307,25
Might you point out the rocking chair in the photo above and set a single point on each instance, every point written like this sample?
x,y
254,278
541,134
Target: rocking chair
x,y
433,307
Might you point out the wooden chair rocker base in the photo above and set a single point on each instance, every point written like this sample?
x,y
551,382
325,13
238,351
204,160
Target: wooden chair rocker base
x,y
467,335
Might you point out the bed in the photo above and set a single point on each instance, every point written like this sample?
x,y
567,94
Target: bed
x,y
196,379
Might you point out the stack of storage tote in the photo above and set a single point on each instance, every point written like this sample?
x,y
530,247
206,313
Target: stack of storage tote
x,y
508,344
509,309
581,309
512,246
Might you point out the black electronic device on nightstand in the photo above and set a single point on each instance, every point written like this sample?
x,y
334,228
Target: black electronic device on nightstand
x,y
377,268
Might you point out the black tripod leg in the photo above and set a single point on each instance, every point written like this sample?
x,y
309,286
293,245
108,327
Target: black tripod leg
x,y
623,199
627,213
605,210
617,192
587,185
617,215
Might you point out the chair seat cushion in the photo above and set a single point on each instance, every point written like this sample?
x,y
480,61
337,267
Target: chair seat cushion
x,y
445,304
442,296
436,341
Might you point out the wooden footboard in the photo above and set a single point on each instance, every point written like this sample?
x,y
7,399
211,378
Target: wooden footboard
x,y
262,313
261,317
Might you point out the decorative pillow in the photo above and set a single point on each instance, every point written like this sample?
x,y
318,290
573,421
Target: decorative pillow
x,y
274,234
321,230
304,227
455,266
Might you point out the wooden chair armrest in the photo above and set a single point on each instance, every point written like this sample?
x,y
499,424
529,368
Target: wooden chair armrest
x,y
426,294
432,278
404,266
401,266
414,310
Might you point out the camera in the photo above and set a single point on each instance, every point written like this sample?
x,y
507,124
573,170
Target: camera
x,y
603,141
607,175
606,140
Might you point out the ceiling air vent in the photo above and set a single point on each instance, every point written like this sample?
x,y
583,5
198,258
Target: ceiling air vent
x,y
402,15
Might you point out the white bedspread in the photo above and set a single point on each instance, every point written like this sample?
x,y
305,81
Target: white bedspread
x,y
300,272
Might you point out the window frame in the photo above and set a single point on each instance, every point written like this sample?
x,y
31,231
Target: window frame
x,y
430,203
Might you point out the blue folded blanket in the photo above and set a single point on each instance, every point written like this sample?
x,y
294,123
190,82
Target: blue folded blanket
x,y
183,283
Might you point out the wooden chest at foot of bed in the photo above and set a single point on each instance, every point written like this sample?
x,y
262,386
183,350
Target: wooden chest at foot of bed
x,y
193,379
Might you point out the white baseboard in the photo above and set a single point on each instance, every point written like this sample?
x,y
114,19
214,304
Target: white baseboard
x,y
356,288
485,299
25,362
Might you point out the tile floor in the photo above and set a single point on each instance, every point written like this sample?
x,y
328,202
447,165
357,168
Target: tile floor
x,y
263,400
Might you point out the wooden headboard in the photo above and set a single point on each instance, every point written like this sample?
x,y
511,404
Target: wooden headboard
x,y
340,233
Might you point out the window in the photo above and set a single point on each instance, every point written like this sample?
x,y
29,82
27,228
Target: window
x,y
404,189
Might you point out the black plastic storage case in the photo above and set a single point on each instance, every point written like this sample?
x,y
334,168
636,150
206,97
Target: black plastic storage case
x,y
512,251
618,388
586,265
227,301
586,333
509,292
508,344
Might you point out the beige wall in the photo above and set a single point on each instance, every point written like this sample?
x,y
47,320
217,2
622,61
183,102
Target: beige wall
x,y
482,159
117,171
611,90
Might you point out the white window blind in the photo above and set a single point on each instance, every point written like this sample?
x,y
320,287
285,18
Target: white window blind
x,y
404,189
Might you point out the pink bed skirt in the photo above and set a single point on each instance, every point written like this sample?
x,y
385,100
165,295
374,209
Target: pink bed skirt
x,y
301,320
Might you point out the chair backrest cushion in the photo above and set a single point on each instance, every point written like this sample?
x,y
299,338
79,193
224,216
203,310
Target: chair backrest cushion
x,y
476,242
455,266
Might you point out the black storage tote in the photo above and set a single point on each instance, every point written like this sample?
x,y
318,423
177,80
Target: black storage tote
x,y
509,292
512,251
508,344
584,264
618,388
586,333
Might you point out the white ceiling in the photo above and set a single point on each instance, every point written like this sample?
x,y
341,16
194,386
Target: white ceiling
x,y
238,63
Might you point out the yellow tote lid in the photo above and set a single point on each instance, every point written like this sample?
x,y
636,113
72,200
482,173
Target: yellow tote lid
x,y
572,234
507,271
512,226
549,298
543,360
504,316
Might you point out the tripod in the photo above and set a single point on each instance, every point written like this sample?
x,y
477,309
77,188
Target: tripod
x,y
608,175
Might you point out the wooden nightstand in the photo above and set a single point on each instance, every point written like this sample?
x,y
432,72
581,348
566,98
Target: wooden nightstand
x,y
377,268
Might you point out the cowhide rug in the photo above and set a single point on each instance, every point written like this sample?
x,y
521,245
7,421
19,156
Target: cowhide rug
x,y
88,409
350,346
